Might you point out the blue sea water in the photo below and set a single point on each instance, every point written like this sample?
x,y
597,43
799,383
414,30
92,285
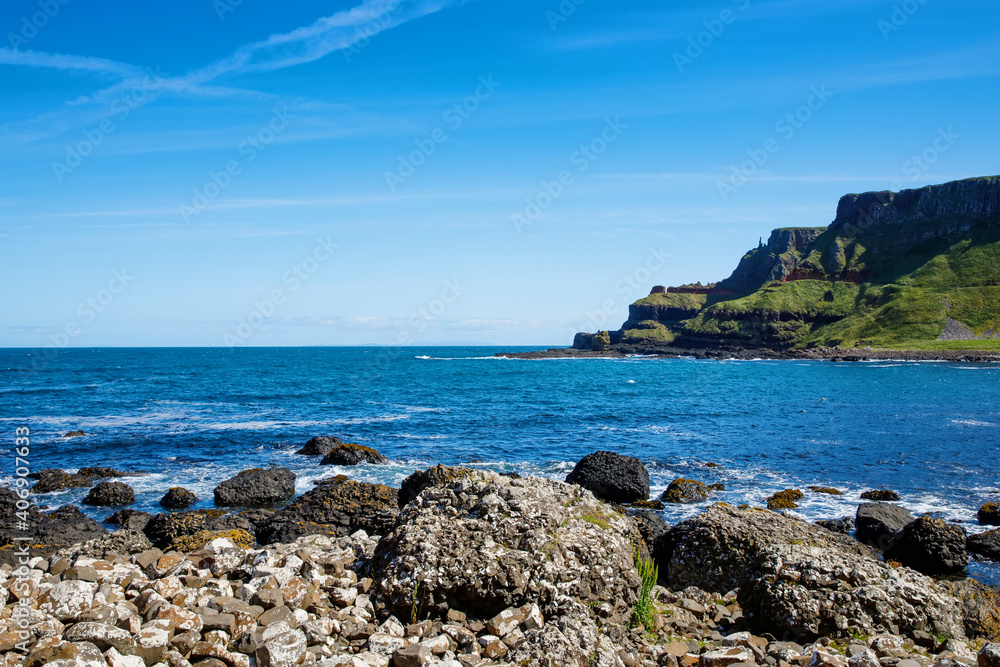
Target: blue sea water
x,y
193,417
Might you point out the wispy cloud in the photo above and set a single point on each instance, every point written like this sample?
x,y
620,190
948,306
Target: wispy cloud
x,y
68,62
302,45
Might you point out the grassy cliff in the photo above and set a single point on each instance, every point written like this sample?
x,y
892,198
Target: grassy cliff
x,y
916,269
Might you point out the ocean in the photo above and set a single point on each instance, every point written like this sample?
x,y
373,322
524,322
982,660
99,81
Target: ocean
x,y
194,417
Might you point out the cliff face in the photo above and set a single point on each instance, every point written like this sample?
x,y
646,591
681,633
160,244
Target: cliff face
x,y
892,268
775,261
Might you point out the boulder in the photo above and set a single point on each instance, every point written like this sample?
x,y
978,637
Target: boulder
x,y
130,519
347,454
163,529
985,544
880,495
50,532
878,523
178,498
60,481
101,472
575,640
828,490
110,494
484,543
256,487
784,500
651,526
685,491
931,546
612,477
989,514
74,434
336,507
439,475
797,578
320,446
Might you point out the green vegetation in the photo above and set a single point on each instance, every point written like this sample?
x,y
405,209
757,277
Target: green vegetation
x,y
598,520
642,612
889,286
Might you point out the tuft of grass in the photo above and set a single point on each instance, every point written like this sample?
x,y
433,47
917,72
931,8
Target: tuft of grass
x,y
642,612
414,606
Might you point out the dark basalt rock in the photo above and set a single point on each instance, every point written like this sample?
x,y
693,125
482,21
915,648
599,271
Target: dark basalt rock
x,y
844,526
45,472
878,523
60,481
130,519
178,498
110,494
439,475
880,495
49,532
348,454
612,477
989,514
336,507
100,472
718,486
256,488
985,544
931,546
685,491
75,434
651,526
163,529
320,445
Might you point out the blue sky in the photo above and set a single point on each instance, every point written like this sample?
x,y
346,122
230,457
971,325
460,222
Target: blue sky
x,y
383,172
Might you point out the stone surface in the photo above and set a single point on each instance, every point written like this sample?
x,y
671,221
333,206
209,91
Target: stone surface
x,y
320,445
878,523
486,543
336,507
178,498
798,578
685,491
931,546
612,477
348,454
284,650
989,514
256,488
985,544
439,475
110,494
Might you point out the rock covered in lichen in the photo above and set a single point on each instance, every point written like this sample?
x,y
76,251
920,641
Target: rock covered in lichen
x,y
486,542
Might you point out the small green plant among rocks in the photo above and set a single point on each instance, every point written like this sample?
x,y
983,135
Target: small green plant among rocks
x,y
642,613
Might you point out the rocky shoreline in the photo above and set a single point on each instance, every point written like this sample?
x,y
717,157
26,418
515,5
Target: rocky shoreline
x,y
746,354
464,568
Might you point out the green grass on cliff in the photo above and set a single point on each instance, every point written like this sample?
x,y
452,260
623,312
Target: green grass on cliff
x,y
908,310
648,331
685,301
